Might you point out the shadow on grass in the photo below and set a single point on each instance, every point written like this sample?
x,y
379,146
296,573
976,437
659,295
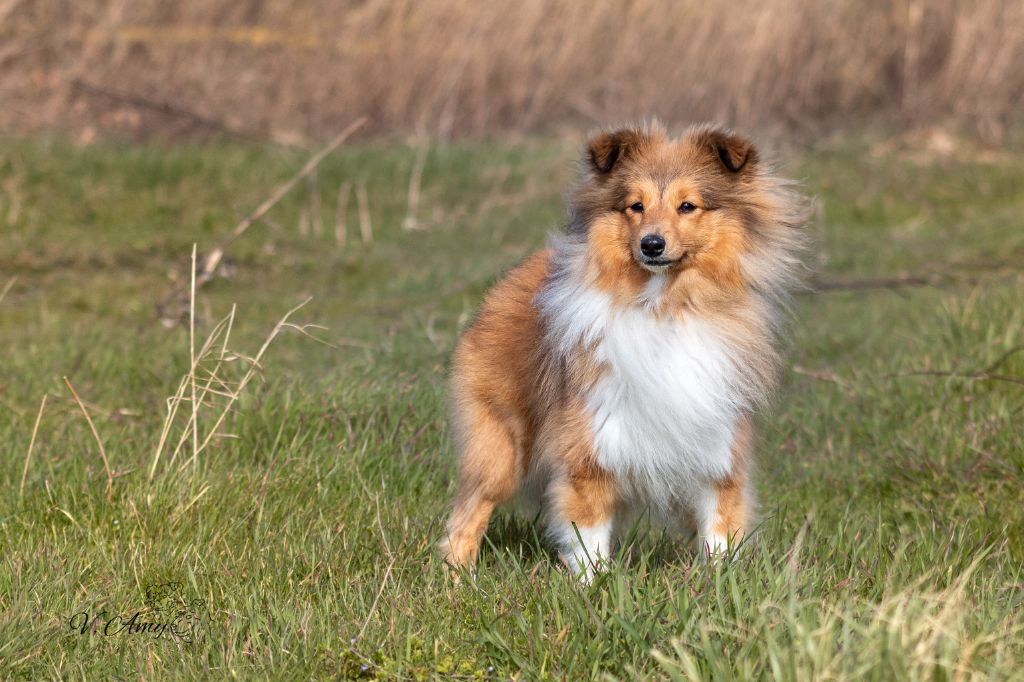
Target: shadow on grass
x,y
642,546
516,535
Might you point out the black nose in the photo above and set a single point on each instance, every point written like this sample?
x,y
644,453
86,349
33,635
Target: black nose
x,y
652,245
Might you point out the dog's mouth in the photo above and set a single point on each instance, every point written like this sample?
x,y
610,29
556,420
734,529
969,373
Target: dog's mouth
x,y
661,264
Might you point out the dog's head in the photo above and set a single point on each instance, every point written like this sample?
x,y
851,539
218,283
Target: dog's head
x,y
648,203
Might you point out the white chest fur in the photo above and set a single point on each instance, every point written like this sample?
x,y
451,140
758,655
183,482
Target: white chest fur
x,y
665,407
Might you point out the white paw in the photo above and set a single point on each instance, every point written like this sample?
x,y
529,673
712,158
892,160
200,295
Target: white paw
x,y
583,568
585,550
717,547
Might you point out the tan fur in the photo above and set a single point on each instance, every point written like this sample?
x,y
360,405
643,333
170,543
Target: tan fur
x,y
734,504
513,399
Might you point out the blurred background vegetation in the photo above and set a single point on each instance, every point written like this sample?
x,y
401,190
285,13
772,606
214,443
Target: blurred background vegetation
x,y
297,72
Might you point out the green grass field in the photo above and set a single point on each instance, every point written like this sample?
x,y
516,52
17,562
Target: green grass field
x,y
302,536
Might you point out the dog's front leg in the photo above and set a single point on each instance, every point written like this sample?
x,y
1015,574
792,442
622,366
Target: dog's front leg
x,y
582,510
724,507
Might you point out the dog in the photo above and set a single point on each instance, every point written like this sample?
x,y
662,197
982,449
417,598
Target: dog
x,y
618,371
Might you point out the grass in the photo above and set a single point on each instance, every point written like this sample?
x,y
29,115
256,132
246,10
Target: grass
x,y
891,546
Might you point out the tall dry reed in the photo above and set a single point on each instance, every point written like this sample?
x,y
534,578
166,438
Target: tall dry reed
x,y
452,68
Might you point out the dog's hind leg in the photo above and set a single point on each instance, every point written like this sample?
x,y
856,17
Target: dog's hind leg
x,y
489,475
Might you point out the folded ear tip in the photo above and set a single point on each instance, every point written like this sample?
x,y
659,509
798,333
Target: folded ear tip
x,y
735,155
606,148
735,152
603,150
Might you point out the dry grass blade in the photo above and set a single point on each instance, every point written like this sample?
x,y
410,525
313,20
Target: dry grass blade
x,y
31,445
363,206
205,387
96,435
7,287
316,219
415,180
192,355
220,333
373,606
206,390
340,213
250,373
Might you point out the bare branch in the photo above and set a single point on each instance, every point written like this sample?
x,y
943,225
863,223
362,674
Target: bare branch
x,y
214,257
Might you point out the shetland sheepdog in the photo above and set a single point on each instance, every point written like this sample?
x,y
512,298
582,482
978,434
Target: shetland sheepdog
x,y
618,371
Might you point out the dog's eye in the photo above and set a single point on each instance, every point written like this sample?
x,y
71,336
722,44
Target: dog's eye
x,y
638,207
687,207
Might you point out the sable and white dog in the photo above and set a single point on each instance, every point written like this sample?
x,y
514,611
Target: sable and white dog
x,y
618,370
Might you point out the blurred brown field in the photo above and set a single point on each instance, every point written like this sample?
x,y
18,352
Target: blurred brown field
x,y
298,72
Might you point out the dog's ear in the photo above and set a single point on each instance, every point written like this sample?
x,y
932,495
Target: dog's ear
x,y
734,152
605,149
